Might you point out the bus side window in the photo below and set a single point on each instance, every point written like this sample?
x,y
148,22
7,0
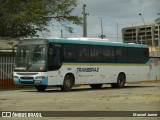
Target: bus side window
x,y
121,55
69,53
96,54
83,53
143,55
109,54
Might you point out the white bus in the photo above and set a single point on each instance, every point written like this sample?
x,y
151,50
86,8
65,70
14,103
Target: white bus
x,y
68,62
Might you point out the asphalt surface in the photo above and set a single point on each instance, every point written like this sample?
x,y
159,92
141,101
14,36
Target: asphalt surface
x,y
134,97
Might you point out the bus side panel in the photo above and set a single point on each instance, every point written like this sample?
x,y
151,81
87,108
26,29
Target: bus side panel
x,y
145,72
129,71
108,73
55,78
134,73
98,73
91,73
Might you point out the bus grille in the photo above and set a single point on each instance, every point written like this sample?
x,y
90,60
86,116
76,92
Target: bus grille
x,y
27,82
26,78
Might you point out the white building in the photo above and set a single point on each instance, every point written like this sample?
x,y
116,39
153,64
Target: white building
x,y
144,34
8,43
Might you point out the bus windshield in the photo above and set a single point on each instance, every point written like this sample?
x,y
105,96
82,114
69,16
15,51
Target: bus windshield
x,y
31,58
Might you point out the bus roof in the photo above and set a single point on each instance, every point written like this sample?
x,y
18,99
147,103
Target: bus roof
x,y
91,41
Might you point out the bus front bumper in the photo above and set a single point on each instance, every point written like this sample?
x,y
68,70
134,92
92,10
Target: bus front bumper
x,y
30,81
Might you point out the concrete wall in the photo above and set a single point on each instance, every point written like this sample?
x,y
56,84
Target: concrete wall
x,y
155,69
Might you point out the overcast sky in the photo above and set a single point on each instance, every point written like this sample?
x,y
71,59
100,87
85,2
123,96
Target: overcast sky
x,y
125,13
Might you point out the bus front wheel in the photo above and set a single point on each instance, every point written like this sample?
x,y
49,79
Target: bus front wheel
x,y
67,83
121,80
41,88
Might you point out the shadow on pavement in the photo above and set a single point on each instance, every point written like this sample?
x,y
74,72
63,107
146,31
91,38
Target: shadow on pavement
x,y
87,88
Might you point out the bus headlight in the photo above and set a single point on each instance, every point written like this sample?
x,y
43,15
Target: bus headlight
x,y
16,77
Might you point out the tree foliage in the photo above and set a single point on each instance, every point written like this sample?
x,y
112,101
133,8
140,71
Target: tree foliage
x,y
157,20
23,18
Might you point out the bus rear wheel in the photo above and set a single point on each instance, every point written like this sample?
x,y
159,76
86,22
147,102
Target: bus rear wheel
x,y
67,83
96,86
121,80
41,88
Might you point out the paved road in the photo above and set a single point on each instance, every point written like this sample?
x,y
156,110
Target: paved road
x,y
134,97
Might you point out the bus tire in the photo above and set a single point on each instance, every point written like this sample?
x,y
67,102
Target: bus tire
x,y
121,80
41,88
96,86
67,83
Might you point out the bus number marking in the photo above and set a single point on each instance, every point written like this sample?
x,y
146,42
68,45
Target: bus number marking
x,y
87,69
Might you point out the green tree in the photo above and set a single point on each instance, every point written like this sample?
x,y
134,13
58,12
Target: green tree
x,y
23,18
157,20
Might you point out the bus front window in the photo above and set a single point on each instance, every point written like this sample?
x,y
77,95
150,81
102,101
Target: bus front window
x,y
31,58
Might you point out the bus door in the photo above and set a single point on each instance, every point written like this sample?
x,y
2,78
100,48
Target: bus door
x,y
54,63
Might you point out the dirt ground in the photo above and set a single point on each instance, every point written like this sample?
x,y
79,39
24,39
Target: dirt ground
x,y
134,97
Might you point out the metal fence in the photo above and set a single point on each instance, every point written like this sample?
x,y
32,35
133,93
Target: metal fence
x,y
6,69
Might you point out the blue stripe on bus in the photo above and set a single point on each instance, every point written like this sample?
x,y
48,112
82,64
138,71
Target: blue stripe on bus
x,y
93,42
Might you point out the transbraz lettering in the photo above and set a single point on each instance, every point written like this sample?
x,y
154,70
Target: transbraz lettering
x,y
87,69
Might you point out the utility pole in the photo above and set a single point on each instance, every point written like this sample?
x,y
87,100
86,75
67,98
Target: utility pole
x,y
61,33
84,20
158,33
102,36
117,31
